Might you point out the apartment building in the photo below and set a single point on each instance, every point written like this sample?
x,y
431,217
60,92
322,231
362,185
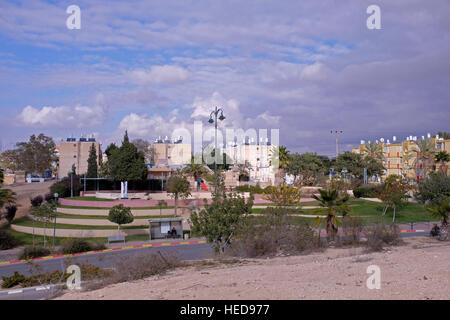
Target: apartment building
x,y
403,158
257,157
76,152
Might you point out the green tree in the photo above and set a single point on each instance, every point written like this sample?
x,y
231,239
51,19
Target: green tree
x,y
305,168
218,221
333,204
442,157
37,155
434,189
125,163
178,186
441,211
355,164
120,215
394,194
92,171
195,170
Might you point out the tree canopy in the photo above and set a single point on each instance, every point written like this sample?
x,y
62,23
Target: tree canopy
x,y
125,163
35,156
355,164
305,167
92,170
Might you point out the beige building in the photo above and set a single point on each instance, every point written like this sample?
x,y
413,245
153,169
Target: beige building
x,y
400,158
76,152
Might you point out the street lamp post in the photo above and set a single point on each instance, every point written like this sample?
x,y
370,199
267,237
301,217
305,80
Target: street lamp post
x,y
211,120
56,195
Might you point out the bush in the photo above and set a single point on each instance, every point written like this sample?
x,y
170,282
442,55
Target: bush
x,y
433,189
89,272
63,187
32,252
14,280
69,246
7,241
36,201
143,266
366,191
252,189
272,233
352,228
380,236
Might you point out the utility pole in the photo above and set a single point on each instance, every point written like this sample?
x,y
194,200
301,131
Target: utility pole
x,y
337,133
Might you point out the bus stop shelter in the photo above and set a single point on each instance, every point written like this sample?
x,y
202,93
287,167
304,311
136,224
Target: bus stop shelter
x,y
164,228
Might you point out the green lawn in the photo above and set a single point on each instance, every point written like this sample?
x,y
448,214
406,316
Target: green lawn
x,y
90,198
82,216
26,222
25,239
371,212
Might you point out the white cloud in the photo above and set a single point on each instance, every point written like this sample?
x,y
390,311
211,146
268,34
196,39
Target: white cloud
x,y
63,116
166,74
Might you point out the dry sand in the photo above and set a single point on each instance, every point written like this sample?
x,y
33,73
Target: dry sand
x,y
419,269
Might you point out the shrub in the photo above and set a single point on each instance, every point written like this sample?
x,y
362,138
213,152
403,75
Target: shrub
x,y
380,236
14,280
366,191
36,201
252,189
143,266
271,233
10,213
7,241
69,246
88,271
31,252
433,189
61,189
352,228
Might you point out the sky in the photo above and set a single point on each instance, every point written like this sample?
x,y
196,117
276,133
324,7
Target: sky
x,y
149,67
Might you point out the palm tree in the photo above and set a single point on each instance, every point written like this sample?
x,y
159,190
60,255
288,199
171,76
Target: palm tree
x,y
442,212
195,170
281,154
426,151
442,157
333,203
373,150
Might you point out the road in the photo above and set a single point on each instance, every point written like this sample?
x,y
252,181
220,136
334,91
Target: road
x,y
103,260
108,260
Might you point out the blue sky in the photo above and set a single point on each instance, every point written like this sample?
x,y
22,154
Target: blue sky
x,y
305,67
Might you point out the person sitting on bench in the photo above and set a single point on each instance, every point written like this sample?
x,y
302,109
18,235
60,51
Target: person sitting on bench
x,y
174,233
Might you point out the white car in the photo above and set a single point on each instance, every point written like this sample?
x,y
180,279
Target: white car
x,y
34,178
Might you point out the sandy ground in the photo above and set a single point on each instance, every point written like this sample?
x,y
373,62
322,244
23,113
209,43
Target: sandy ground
x,y
26,191
419,269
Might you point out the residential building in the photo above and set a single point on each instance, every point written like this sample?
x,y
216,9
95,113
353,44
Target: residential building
x,y
401,158
76,152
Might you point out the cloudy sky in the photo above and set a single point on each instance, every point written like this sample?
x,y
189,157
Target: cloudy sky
x,y
305,67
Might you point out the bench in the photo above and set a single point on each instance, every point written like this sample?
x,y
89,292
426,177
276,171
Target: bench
x,y
116,238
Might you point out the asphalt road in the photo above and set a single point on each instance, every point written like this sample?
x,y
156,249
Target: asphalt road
x,y
103,260
108,260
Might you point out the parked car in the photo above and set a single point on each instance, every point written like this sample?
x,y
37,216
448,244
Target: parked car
x,y
34,178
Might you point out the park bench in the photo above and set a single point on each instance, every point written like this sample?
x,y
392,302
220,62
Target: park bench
x,y
116,239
